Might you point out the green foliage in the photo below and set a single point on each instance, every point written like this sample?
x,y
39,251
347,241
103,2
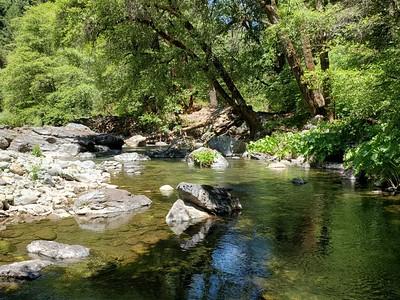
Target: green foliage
x,y
282,145
379,157
34,173
36,151
204,158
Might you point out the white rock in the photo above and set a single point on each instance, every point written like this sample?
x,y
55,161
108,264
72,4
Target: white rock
x,y
29,269
57,251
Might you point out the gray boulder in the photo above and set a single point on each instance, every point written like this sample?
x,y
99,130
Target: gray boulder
x,y
29,269
220,162
182,215
64,141
227,145
57,251
108,202
214,200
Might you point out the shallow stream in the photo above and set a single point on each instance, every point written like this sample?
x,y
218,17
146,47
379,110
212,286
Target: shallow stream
x,y
325,240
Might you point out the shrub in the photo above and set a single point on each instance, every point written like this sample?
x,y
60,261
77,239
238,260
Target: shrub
x,y
35,172
36,151
204,158
282,145
378,158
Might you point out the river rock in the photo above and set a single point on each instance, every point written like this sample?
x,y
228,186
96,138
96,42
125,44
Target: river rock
x,y
108,202
215,200
29,269
182,215
4,143
136,141
227,145
27,196
298,181
5,157
17,169
57,251
220,162
129,157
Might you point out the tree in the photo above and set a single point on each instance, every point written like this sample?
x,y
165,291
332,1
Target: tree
x,y
171,22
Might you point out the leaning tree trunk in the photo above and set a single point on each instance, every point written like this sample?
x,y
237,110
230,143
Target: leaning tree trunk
x,y
314,99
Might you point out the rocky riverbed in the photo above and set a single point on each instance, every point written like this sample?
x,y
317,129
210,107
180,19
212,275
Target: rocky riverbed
x,y
44,171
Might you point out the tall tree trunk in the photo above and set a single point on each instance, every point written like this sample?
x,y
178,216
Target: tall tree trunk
x,y
213,97
312,98
326,82
310,66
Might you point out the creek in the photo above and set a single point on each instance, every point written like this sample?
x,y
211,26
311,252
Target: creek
x,y
327,239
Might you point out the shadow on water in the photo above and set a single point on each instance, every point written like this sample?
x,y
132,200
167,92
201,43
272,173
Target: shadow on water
x,y
211,260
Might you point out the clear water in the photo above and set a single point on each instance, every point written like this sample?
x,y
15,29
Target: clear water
x,y
324,240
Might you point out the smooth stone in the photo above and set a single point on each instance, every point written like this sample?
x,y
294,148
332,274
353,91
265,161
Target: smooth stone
x,y
27,197
5,157
29,269
109,202
17,169
166,188
57,251
182,215
136,141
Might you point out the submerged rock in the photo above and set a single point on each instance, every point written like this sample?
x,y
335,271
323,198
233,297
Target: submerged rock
x,y
129,157
298,181
182,215
219,162
103,223
57,251
106,202
215,200
29,269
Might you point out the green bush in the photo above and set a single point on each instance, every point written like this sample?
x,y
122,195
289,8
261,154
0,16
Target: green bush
x,y
36,151
378,158
35,172
204,158
282,145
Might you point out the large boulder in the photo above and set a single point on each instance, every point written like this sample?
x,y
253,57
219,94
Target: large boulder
x,y
198,203
108,202
29,269
227,145
57,251
214,200
64,141
219,161
136,141
182,215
